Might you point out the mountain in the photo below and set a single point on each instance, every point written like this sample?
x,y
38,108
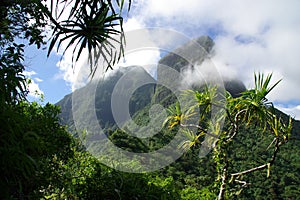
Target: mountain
x,y
191,174
186,61
154,92
99,93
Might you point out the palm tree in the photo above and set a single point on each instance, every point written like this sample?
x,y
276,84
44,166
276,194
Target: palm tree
x,y
252,107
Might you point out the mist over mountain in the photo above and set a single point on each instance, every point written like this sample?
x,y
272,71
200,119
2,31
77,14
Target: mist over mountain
x,y
130,93
181,59
179,68
100,93
133,91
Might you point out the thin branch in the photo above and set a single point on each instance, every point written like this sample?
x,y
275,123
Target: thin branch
x,y
250,170
271,144
264,166
224,181
235,124
244,183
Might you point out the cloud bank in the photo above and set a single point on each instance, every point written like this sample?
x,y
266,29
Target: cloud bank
x,y
250,36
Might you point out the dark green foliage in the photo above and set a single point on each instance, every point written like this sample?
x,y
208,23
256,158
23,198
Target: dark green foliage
x,y
248,146
194,178
254,152
40,159
128,143
30,134
22,19
19,20
83,177
12,81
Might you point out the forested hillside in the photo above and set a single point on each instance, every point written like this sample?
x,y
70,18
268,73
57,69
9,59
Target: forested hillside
x,y
239,146
191,177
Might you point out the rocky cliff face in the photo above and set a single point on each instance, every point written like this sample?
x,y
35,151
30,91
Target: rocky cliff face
x,y
184,60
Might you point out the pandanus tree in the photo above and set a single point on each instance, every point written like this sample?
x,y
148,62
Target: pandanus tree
x,y
251,108
81,24
93,25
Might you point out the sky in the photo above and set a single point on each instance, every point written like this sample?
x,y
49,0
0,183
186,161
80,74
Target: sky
x,y
250,36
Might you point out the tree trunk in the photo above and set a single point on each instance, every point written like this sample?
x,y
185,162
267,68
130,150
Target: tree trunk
x,y
223,184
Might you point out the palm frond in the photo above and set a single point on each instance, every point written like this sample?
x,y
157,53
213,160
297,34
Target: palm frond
x,y
90,24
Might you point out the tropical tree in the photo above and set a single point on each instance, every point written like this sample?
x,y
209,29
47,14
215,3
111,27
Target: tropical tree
x,y
32,141
94,25
251,108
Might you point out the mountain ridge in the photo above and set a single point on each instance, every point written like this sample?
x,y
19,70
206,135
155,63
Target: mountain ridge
x,y
191,174
173,60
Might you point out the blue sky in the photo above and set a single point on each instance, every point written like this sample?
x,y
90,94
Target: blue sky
x,y
45,75
250,36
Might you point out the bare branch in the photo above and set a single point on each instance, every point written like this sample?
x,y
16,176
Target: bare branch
x,y
244,183
264,166
271,143
250,170
223,184
235,124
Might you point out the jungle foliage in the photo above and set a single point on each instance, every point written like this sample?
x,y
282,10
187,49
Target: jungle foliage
x,y
256,154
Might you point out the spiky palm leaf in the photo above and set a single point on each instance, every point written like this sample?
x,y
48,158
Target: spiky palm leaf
x,y
254,102
92,25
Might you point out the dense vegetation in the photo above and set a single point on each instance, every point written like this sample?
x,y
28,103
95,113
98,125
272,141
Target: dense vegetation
x,y
40,159
197,178
253,146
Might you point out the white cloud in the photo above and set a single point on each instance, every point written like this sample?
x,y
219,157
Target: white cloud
x,y
250,35
140,49
147,58
38,79
66,70
133,24
77,75
292,110
270,33
202,74
74,75
29,73
33,87
34,90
